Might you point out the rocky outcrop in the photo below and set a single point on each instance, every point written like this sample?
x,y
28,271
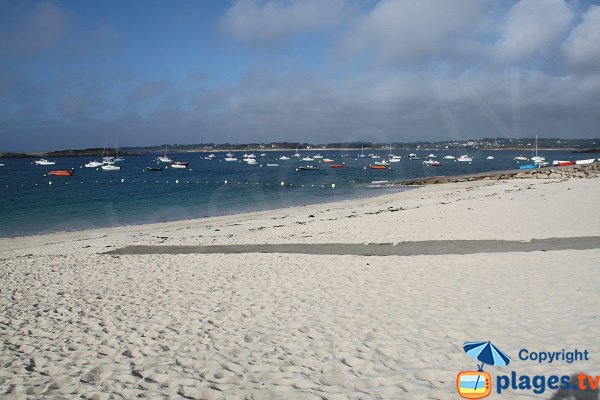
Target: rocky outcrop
x,y
572,171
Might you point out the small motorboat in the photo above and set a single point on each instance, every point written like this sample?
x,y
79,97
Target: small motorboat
x,y
43,161
152,169
1,165
436,164
378,166
307,159
337,165
263,154
413,156
464,158
560,163
179,164
327,160
489,158
584,162
283,158
272,165
61,172
528,166
309,168
250,161
110,167
432,155
520,158
230,159
317,156
93,164
450,158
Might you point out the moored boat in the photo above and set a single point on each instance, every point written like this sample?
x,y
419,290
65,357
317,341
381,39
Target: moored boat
x,y
110,167
93,164
337,165
584,162
309,168
164,157
152,169
43,161
378,166
528,166
179,164
561,163
61,172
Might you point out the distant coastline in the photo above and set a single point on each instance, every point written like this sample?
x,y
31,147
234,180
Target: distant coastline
x,y
573,145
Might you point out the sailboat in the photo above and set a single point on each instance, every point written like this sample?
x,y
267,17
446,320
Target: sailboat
x,y
164,158
296,154
537,159
117,158
362,152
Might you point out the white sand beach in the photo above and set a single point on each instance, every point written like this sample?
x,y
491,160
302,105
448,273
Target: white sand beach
x,y
77,323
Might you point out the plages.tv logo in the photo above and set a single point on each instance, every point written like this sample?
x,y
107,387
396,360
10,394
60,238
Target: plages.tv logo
x,y
478,384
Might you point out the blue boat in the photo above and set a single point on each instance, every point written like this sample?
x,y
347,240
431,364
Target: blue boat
x,y
528,166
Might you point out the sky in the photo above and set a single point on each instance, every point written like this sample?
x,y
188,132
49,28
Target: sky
x,y
77,74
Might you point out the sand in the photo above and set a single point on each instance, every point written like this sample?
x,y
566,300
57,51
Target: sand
x,y
76,322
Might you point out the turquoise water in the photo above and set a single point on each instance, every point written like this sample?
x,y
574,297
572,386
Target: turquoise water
x,y
93,198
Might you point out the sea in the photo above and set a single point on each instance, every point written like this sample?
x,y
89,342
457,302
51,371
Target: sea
x,y
34,202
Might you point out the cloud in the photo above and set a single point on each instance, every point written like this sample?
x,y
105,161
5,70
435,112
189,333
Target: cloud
x,y
406,31
149,90
273,23
532,30
582,47
35,31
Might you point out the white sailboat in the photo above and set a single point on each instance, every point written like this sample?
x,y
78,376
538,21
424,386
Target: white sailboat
x,y
537,159
164,157
362,152
283,158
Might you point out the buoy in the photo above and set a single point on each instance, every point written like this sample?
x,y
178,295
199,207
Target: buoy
x,y
177,181
122,180
225,182
49,182
333,185
282,183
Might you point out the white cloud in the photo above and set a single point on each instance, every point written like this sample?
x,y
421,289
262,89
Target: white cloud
x,y
582,47
532,29
274,22
400,31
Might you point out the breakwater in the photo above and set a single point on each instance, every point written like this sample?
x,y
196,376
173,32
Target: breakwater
x,y
566,172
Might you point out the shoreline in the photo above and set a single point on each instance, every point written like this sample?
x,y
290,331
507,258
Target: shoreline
x,y
409,194
387,191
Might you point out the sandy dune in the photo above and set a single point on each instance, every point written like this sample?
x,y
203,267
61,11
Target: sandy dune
x,y
75,322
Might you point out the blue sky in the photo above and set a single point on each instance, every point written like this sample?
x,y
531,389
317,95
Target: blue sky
x,y
78,74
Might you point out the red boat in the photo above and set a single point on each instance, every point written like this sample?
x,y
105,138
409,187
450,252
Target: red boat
x,y
337,166
61,172
565,163
378,166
